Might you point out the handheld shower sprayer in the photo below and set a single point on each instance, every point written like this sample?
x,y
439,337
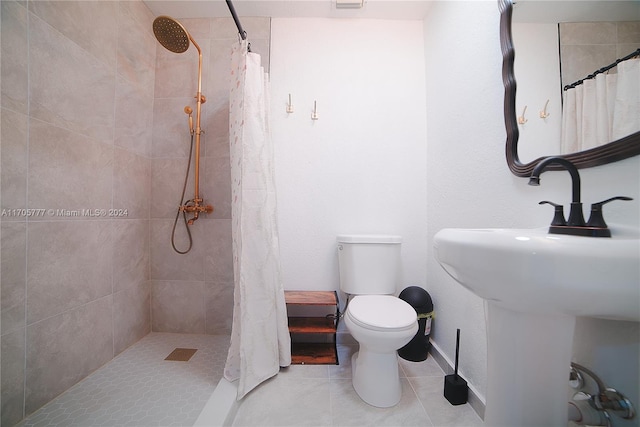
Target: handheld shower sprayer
x,y
188,110
175,38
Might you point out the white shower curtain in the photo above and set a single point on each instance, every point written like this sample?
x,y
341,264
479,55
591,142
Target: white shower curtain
x,y
260,341
602,109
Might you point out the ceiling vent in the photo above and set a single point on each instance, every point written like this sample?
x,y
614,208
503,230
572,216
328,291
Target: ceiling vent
x,y
349,4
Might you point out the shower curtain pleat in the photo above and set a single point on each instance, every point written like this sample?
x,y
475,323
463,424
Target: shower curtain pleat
x,y
602,109
260,341
627,105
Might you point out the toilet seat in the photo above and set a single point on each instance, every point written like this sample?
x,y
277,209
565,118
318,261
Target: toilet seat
x,y
381,313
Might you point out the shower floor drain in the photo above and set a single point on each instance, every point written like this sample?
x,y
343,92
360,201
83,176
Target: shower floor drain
x,y
181,354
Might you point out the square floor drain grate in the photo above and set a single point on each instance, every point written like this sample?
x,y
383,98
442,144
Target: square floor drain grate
x,y
181,354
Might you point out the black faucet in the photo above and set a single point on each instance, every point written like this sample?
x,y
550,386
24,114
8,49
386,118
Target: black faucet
x,y
575,225
576,217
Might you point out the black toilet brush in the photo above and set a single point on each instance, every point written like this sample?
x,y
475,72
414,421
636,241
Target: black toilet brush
x,y
456,390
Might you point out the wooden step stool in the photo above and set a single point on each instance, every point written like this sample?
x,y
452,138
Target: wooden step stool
x,y
313,353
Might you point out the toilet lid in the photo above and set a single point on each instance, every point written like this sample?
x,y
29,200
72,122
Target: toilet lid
x,y
382,311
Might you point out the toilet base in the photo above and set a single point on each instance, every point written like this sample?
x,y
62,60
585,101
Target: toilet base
x,y
375,377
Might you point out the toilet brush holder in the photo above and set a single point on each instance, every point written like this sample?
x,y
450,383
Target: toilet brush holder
x,y
456,390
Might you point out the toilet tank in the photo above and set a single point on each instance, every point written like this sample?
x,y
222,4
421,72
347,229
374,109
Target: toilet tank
x,y
369,264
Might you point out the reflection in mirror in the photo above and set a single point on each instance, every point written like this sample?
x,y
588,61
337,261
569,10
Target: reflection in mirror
x,y
550,56
554,53
537,68
605,105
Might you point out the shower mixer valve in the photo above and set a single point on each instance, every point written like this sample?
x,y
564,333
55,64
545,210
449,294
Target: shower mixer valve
x,y
196,208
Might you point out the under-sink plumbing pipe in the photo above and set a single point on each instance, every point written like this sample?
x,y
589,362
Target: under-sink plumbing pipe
x,y
582,413
585,409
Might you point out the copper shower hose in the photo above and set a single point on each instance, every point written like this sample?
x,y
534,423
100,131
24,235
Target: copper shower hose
x,y
183,203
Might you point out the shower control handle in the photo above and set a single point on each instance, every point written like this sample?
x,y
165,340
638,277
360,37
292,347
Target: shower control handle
x,y
207,209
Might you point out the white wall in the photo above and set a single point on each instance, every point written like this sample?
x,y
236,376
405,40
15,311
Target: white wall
x,y
361,167
469,185
364,166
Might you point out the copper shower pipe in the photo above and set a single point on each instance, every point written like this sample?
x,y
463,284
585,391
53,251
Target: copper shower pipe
x,y
196,208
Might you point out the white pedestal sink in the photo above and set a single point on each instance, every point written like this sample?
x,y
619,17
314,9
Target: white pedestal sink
x,y
535,285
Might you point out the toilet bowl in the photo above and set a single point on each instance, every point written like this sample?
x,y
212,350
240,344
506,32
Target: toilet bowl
x,y
381,324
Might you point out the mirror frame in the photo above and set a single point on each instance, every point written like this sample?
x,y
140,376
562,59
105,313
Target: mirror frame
x,y
623,148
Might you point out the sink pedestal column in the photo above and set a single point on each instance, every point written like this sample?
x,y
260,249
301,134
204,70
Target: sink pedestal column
x,y
529,357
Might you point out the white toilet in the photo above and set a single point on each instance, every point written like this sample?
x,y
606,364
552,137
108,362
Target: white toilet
x,y
379,321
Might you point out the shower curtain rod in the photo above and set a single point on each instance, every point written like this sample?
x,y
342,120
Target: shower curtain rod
x,y
242,32
602,70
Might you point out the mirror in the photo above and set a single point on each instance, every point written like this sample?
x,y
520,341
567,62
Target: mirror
x,y
619,149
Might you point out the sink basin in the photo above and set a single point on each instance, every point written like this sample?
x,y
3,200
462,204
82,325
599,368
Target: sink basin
x,y
535,285
532,271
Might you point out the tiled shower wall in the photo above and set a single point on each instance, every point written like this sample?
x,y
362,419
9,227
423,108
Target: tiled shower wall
x,y
588,46
77,105
79,96
193,293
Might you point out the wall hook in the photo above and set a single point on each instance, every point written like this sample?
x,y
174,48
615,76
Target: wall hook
x,y
289,105
521,119
314,113
543,112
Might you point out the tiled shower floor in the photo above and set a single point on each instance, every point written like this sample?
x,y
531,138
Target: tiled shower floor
x,y
139,388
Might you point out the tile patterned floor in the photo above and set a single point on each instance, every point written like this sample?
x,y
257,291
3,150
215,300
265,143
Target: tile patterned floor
x,y
324,396
139,388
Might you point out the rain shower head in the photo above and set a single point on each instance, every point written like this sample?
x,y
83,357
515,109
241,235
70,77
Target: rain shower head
x,y
171,34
